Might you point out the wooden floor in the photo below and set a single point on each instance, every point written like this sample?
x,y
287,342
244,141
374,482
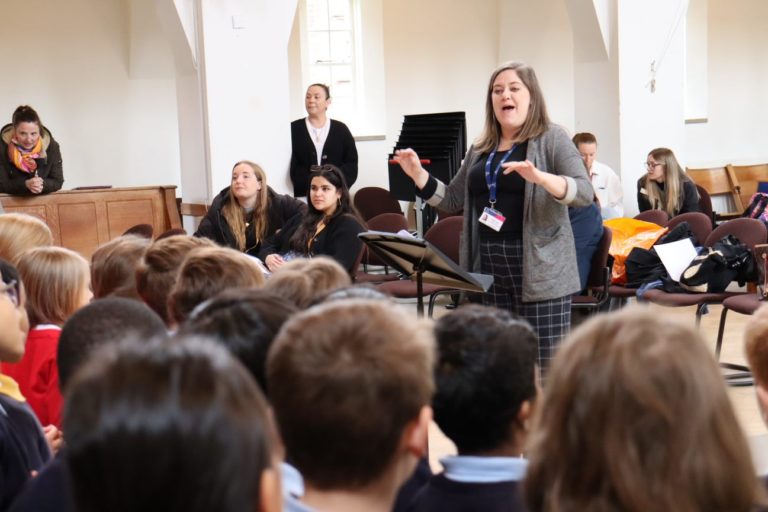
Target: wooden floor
x,y
743,398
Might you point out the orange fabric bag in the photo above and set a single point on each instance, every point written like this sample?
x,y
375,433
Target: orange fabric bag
x,y
628,234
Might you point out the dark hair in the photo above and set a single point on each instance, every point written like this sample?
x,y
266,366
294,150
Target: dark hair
x,y
25,114
326,88
246,322
486,367
584,138
166,426
346,378
306,230
99,322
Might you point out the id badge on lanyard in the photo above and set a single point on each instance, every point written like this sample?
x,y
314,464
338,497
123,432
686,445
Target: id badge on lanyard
x,y
491,217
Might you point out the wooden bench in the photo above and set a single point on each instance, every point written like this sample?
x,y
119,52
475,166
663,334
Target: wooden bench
x,y
82,220
748,177
722,182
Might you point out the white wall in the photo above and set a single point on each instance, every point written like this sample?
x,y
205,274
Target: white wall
x,y
649,118
104,95
737,130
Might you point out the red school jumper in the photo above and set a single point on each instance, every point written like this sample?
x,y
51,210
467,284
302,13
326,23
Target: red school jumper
x,y
38,374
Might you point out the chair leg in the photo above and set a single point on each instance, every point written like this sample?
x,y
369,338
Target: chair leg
x,y
720,333
742,377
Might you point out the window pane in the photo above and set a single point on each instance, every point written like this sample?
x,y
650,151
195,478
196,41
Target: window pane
x,y
319,49
322,75
341,47
339,15
317,14
342,77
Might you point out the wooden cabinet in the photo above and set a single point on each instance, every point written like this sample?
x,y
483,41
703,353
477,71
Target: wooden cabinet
x,y
82,220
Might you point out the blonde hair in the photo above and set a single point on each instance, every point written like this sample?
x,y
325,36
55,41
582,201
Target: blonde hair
x,y
636,417
535,124
233,212
671,198
19,232
54,278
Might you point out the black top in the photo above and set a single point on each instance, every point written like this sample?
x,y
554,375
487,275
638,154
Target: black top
x,y
49,491
447,495
690,198
23,448
49,168
510,193
214,226
339,150
338,240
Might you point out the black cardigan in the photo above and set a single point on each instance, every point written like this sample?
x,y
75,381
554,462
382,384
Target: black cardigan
x,y
690,198
338,240
214,225
12,180
339,150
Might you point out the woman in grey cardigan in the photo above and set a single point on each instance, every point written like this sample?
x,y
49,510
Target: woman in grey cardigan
x,y
515,186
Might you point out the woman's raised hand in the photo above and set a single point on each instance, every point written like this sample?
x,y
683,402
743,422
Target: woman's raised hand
x,y
409,162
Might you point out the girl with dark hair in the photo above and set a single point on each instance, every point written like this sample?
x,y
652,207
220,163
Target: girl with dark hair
x,y
318,140
248,212
330,226
30,159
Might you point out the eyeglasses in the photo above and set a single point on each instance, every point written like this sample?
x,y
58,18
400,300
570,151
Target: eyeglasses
x,y
652,165
11,290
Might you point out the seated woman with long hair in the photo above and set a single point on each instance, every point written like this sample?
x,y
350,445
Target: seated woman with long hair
x,y
248,212
665,186
635,417
330,226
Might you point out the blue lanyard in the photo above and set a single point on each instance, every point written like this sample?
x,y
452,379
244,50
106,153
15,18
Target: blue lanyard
x,y
491,180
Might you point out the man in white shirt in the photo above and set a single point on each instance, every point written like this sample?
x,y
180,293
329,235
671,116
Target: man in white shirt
x,y
605,181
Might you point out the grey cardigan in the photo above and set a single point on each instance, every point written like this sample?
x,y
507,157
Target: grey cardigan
x,y
549,254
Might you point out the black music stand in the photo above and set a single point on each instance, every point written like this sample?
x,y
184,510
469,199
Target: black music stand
x,y
424,263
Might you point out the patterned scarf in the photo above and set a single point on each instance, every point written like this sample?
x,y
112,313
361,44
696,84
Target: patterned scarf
x,y
24,159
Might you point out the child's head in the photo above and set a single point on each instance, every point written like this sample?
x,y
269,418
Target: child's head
x,y
169,426
57,282
12,317
157,270
636,417
102,321
205,273
350,384
20,232
485,378
321,275
113,267
246,321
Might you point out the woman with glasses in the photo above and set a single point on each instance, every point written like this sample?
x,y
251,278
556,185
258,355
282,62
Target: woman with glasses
x,y
319,140
515,186
30,159
666,186
329,227
248,212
